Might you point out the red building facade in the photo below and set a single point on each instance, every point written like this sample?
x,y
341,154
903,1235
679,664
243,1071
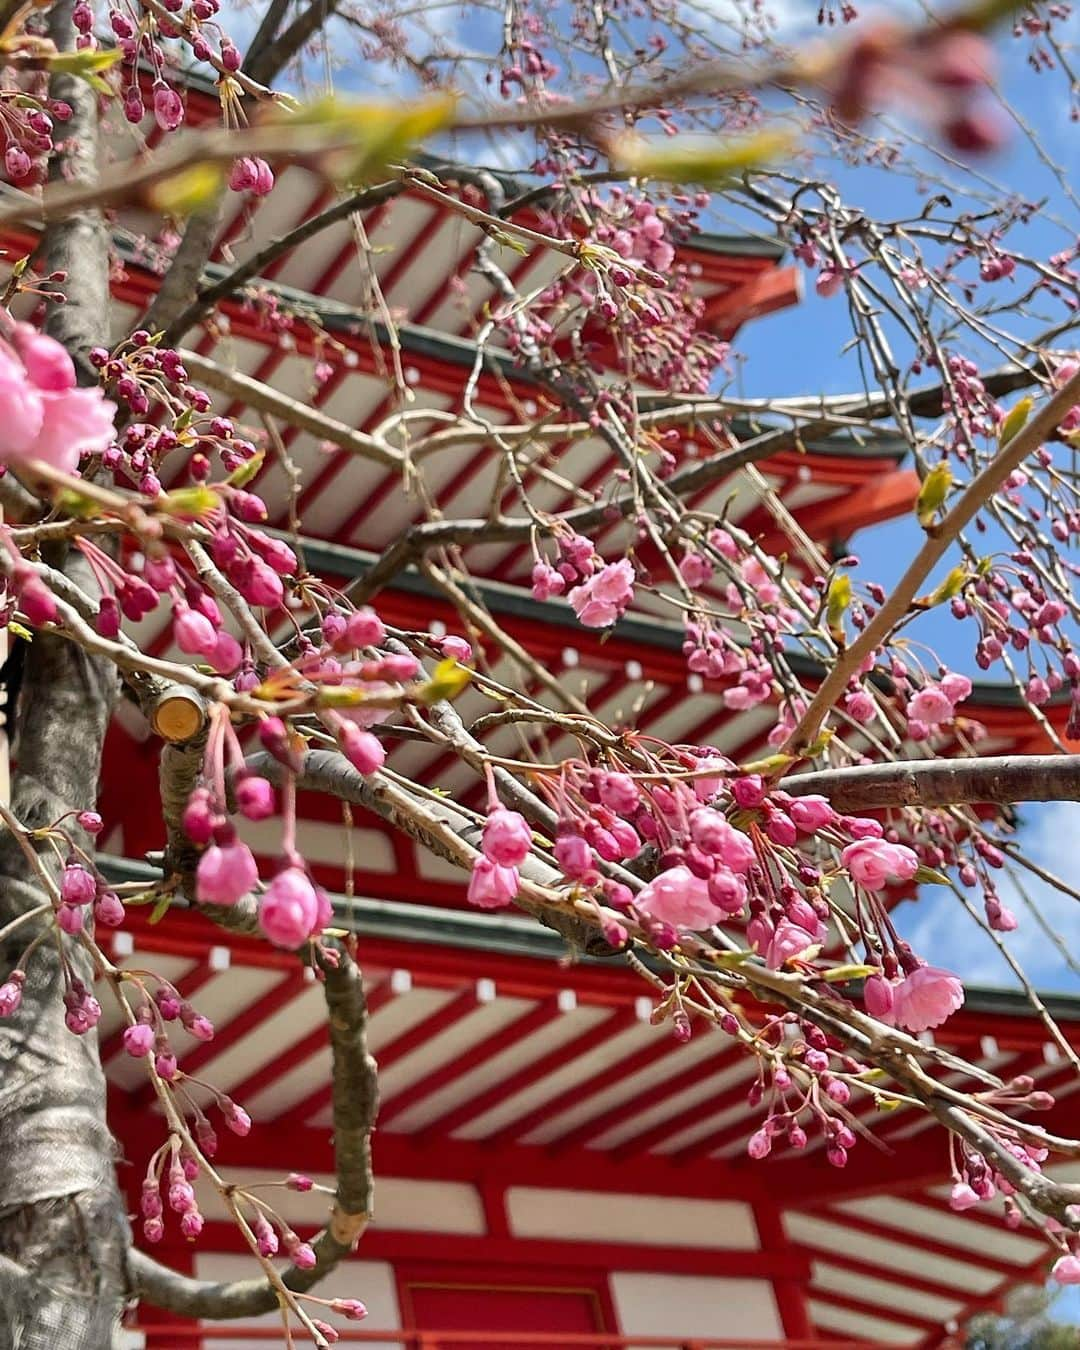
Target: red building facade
x,y
552,1168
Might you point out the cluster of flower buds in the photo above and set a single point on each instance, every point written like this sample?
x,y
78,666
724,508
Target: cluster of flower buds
x,y
183,1170
28,121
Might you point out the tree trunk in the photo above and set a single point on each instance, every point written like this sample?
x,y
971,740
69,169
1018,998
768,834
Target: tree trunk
x,y
63,1230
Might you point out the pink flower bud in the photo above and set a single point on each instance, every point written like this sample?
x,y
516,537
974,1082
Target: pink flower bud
x,y
811,813
492,886
70,919
350,1308
276,738
363,750
153,1230
198,817
77,885
168,107
759,1145
254,797
296,1181
165,1065
193,632
236,1118
227,654
507,838
364,628
303,1256
289,911
37,603
225,874
748,792
139,1040
191,1225
90,821
11,992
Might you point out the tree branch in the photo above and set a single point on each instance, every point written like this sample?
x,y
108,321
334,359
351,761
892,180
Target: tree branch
x,y
355,1102
981,488
936,782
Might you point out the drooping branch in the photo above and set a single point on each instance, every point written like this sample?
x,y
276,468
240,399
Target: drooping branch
x,y
355,1104
1001,779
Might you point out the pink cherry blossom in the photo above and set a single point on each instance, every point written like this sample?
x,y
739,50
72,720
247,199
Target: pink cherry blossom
x,y
955,687
875,862
1066,1269
47,363
930,706
925,998
225,874
788,941
681,899
492,886
507,838
603,598
289,911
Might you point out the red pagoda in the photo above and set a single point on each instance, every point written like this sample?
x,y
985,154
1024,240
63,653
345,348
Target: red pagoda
x,y
552,1169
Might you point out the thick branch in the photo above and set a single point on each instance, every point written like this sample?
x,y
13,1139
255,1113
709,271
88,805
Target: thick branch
x,y
941,782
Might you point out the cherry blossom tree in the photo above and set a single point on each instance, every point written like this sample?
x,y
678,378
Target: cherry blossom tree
x,y
754,897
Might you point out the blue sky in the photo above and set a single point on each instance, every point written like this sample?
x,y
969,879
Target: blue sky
x,y
799,351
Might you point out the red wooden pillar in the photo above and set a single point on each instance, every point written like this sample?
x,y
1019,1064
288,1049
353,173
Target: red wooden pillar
x,y
790,1293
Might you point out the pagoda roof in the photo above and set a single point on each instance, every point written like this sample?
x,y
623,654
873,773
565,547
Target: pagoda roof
x,y
499,1064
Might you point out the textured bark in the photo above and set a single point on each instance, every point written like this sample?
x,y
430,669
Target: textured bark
x,y
1003,779
63,1230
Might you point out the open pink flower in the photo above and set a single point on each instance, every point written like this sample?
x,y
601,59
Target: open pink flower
x,y
875,862
925,998
788,941
681,899
603,598
931,705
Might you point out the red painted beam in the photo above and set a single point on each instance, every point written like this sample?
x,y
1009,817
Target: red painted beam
x,y
302,1050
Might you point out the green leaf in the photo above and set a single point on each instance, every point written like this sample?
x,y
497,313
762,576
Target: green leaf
x,y
837,603
340,696
953,584
841,974
240,477
161,908
710,162
929,877
75,503
182,193
508,241
448,679
769,765
375,135
15,627
190,503
932,494
1014,420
